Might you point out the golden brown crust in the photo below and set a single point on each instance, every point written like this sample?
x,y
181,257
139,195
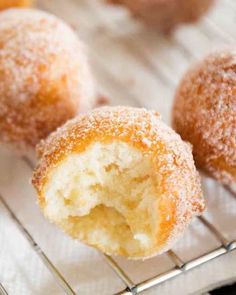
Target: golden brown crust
x,y
44,76
179,192
204,113
4,4
165,15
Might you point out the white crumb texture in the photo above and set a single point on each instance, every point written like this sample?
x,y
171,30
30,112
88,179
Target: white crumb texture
x,y
107,181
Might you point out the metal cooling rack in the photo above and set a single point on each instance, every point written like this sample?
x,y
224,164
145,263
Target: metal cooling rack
x,y
211,30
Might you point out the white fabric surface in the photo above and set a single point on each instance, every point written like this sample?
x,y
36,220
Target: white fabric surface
x,y
127,79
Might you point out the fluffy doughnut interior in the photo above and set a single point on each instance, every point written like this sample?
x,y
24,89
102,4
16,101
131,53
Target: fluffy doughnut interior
x,y
106,196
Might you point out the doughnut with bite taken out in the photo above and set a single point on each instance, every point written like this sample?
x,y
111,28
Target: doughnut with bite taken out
x,y
120,180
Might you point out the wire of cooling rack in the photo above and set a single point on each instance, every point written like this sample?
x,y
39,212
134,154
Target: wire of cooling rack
x,y
54,271
226,247
3,291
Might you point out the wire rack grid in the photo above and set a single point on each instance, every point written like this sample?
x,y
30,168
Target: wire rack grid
x,y
209,30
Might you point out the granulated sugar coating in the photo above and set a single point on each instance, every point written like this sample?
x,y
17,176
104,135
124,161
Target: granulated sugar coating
x,y
119,179
165,15
44,76
4,4
204,114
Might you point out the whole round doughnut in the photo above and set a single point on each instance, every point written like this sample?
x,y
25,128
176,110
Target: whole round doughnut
x,y
204,113
44,76
4,4
165,15
120,180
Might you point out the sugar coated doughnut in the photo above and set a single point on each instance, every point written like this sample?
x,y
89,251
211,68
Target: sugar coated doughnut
x,y
4,4
44,76
166,14
120,180
204,114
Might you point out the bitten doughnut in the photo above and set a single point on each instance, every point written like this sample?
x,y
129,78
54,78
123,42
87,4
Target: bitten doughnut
x,y
204,113
120,180
165,15
4,4
44,76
